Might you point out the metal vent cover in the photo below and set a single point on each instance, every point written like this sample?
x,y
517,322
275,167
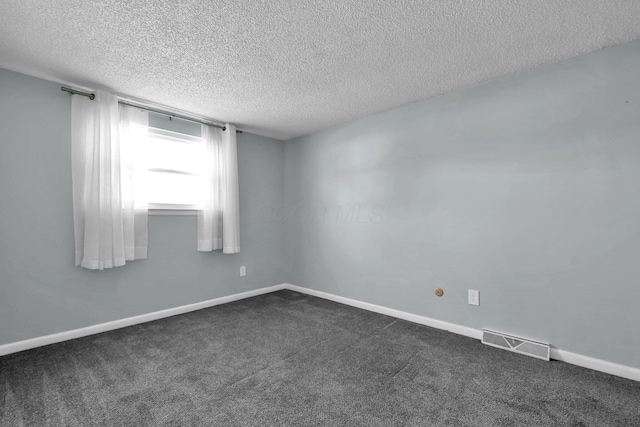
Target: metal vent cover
x,y
516,344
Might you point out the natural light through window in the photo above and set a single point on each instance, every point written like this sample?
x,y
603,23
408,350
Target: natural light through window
x,y
175,169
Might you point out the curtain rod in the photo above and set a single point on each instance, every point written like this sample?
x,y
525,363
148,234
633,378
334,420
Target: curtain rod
x,y
77,92
177,116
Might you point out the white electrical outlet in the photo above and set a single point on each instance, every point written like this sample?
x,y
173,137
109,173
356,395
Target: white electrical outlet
x,y
474,297
243,271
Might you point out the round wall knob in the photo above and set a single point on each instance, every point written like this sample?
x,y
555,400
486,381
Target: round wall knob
x,y
439,292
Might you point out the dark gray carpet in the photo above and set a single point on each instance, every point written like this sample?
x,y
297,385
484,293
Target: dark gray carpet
x,y
286,359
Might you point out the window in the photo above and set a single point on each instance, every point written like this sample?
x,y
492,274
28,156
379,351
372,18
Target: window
x,y
175,168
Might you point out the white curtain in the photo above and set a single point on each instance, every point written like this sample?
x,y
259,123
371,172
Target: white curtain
x,y
219,219
134,130
110,223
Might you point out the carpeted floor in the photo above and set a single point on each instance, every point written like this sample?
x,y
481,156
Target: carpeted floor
x,y
287,359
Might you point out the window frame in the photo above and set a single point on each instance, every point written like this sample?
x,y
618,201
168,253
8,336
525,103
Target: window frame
x,y
162,209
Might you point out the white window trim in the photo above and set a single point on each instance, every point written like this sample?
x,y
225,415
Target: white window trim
x,y
158,209
179,137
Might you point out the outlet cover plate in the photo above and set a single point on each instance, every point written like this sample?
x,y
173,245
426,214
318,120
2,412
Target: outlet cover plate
x,y
474,297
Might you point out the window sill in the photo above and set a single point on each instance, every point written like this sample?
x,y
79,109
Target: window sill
x,y
173,212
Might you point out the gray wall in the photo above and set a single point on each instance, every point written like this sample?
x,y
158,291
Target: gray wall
x,y
526,188
41,292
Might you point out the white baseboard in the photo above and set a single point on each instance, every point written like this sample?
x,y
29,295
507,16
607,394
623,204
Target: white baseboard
x,y
129,321
557,354
438,324
596,364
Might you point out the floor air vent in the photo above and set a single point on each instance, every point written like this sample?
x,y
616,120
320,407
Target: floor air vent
x,y
518,345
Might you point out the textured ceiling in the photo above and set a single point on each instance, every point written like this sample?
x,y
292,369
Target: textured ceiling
x,y
288,68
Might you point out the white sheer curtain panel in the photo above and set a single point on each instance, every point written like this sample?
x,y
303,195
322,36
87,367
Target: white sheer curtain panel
x,y
219,217
110,225
134,131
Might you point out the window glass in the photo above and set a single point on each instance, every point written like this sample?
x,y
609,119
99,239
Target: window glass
x,y
175,168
